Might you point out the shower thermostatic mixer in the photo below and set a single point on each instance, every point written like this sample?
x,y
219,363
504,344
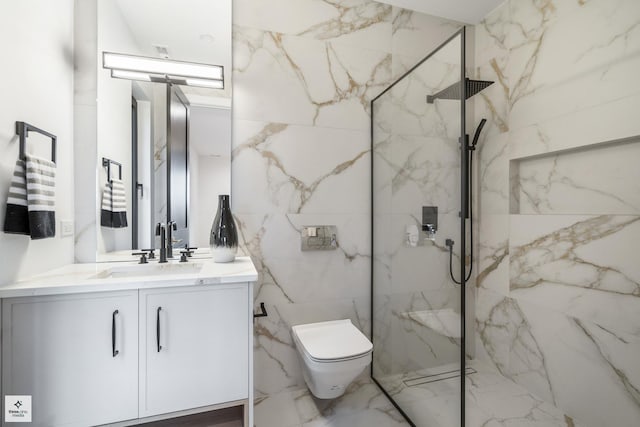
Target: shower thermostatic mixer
x,y
430,221
319,238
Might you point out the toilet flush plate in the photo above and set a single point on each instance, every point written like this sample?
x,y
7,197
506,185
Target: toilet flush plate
x,y
318,238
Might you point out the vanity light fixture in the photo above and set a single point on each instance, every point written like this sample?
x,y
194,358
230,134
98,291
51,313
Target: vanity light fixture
x,y
132,67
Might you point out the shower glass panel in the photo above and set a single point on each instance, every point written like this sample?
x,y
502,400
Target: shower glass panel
x,y
416,307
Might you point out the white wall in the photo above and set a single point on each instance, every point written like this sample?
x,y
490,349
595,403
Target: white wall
x,y
36,41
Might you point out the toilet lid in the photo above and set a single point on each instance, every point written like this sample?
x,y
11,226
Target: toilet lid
x,y
336,339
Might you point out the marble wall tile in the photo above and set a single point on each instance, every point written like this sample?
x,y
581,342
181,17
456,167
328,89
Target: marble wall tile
x,y
556,306
415,34
583,266
611,121
304,74
578,357
557,184
289,275
299,168
292,79
493,253
492,192
362,23
581,367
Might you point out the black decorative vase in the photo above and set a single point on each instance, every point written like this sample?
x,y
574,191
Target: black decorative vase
x,y
223,239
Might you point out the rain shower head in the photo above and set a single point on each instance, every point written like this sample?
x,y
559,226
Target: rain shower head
x,y
453,91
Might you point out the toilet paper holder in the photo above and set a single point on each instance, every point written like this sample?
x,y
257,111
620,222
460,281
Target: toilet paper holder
x,y
263,311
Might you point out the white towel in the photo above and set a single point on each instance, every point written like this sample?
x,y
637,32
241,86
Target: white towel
x,y
113,213
31,201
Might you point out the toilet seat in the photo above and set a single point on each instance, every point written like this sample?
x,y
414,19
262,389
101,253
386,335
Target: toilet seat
x,y
332,341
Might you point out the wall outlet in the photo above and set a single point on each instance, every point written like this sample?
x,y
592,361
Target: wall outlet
x,y
66,228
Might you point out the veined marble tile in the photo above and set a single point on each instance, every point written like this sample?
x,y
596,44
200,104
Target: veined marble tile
x,y
416,34
277,410
409,331
584,91
492,103
596,38
361,23
362,405
299,169
296,80
579,366
491,175
603,123
508,342
426,172
291,276
537,48
585,266
493,253
558,184
277,367
426,266
589,368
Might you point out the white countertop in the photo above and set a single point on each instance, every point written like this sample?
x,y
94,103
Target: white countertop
x,y
92,277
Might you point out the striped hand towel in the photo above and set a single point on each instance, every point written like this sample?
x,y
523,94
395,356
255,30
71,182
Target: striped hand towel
x,y
114,206
31,201
16,220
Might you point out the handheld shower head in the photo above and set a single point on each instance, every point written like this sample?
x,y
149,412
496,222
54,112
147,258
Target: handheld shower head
x,y
477,134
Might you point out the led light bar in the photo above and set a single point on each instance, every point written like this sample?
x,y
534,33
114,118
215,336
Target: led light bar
x,y
142,68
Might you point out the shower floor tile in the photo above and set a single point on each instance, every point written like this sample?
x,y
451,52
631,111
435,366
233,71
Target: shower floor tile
x,y
363,405
492,401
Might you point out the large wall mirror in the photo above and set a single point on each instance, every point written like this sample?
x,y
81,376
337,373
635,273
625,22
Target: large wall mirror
x,y
167,141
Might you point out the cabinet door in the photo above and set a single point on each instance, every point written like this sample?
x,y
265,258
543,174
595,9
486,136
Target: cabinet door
x,y
194,349
59,350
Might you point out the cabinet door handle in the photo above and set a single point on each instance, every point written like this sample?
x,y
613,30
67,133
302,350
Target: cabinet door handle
x,y
113,334
158,329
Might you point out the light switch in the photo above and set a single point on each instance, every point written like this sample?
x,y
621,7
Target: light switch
x,y
66,228
312,232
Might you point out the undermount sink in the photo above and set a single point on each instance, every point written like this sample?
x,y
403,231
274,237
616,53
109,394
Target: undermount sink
x,y
139,270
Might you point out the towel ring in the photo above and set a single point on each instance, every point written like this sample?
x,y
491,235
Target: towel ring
x,y
23,129
107,164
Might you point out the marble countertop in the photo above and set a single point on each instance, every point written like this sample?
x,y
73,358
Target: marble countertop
x,y
118,276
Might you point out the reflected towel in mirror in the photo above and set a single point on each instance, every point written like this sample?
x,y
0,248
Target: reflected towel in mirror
x,y
113,213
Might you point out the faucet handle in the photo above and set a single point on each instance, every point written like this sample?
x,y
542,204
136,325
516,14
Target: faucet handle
x,y
173,225
184,255
143,257
152,252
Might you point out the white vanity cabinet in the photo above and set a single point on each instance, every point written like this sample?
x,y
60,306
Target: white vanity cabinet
x,y
76,355
122,344
194,347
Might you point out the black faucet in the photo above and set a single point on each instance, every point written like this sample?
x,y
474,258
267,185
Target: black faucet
x,y
171,227
161,230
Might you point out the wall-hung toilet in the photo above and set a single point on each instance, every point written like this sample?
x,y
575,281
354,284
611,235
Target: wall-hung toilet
x,y
333,354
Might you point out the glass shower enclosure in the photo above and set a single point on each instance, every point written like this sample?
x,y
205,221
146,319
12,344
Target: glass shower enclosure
x,y
419,206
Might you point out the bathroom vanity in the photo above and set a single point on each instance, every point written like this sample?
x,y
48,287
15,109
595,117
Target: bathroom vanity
x,y
123,343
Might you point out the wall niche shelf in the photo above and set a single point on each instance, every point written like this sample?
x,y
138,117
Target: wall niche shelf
x,y
555,183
